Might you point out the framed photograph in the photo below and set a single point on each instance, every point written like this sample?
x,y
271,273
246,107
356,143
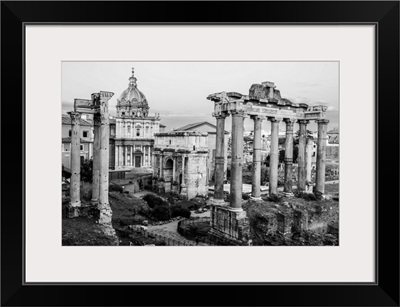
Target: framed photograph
x,y
234,154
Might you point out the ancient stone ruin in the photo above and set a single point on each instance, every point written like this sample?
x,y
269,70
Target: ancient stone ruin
x,y
98,106
264,102
180,163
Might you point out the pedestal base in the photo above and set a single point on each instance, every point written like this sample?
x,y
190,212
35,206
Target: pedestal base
x,y
255,198
229,226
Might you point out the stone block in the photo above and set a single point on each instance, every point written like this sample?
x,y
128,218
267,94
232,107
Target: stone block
x,y
229,227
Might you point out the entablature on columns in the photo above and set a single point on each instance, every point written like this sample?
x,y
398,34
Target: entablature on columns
x,y
93,105
264,104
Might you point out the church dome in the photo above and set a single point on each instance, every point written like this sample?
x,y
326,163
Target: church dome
x,y
132,94
132,102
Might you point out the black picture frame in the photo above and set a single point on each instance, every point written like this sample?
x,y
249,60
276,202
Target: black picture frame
x,y
383,14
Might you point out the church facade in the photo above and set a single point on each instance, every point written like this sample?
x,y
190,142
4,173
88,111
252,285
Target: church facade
x,y
132,137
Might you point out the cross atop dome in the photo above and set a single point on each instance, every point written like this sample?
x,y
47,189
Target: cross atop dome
x,y
132,79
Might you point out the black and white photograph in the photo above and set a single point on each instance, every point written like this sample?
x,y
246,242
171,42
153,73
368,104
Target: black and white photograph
x,y
169,153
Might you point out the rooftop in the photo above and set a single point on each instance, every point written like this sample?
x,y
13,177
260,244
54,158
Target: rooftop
x,y
195,125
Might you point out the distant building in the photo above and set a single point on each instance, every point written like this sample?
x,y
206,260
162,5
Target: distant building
x,y
332,145
86,131
180,162
212,133
333,136
132,130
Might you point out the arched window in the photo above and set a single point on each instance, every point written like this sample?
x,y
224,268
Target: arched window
x,y
129,129
138,132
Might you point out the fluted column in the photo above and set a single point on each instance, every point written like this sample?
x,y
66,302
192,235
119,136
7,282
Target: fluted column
x,y
274,156
289,156
301,156
219,159
256,175
237,161
321,154
75,181
96,159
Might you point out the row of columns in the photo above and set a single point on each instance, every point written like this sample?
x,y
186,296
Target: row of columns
x,y
122,152
304,165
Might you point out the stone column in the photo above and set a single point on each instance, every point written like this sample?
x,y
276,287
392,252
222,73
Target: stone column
x,y
274,156
219,159
126,155
301,157
116,156
321,154
173,168
309,151
149,156
289,157
96,160
237,161
256,176
183,184
121,155
75,182
104,206
161,166
183,172
131,155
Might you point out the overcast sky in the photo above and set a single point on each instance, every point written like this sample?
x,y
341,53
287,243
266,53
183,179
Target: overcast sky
x,y
178,90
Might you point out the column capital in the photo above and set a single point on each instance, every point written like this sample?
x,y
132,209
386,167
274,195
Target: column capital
x,y
289,121
303,121
75,117
257,117
274,119
322,121
241,113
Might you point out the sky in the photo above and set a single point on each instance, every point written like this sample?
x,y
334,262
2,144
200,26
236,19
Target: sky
x,y
179,90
